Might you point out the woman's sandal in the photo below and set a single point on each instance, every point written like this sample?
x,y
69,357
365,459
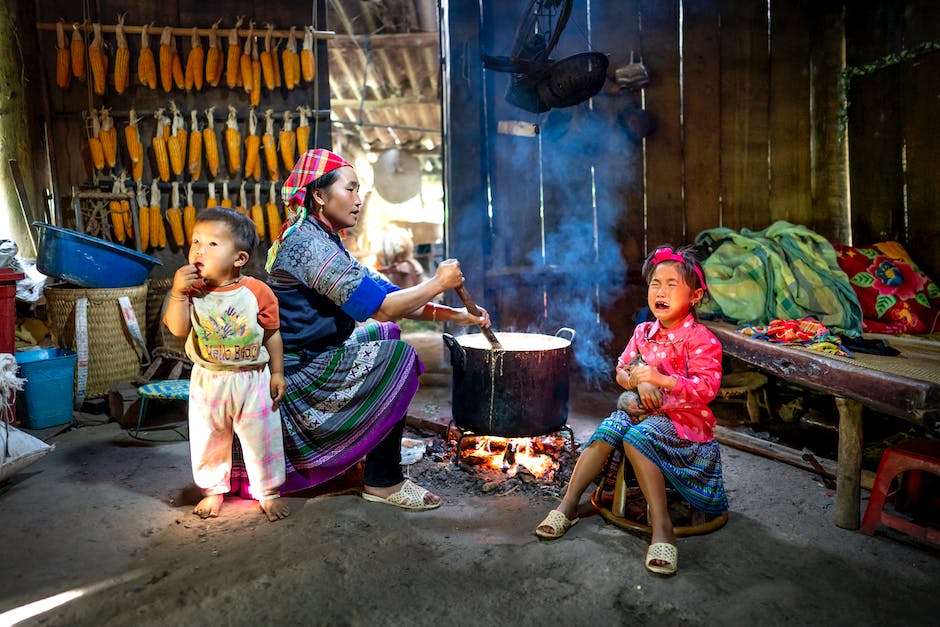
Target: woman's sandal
x,y
557,524
663,552
410,496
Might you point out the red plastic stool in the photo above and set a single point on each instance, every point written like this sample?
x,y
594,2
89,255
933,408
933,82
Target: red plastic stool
x,y
915,454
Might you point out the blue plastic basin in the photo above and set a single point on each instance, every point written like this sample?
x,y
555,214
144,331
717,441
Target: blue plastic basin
x,y
89,261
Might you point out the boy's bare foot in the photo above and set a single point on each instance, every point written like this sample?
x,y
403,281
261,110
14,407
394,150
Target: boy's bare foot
x,y
209,506
275,509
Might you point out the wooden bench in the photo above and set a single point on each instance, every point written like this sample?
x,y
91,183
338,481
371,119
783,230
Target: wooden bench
x,y
906,386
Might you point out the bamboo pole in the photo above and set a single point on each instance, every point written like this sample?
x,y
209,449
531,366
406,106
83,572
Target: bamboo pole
x,y
202,32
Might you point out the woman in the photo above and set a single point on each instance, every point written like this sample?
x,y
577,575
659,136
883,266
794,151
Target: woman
x,y
348,387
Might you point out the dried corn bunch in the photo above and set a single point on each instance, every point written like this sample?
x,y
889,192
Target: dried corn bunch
x,y
226,201
135,149
233,142
189,214
210,143
290,60
157,225
255,95
267,65
108,136
174,216
244,60
195,62
242,207
63,57
179,78
307,60
159,144
98,61
77,52
233,55
166,59
269,147
143,217
176,142
257,212
95,148
274,216
195,148
276,63
122,58
214,57
114,212
126,208
303,129
146,66
287,142
252,145
211,200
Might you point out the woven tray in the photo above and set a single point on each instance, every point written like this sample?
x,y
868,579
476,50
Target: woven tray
x,y
112,352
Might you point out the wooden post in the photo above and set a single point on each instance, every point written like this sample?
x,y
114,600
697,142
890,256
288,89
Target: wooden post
x,y
848,476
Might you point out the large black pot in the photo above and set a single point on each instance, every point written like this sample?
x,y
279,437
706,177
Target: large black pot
x,y
519,391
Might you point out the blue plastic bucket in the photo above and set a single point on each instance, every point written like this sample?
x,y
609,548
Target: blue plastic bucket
x,y
50,381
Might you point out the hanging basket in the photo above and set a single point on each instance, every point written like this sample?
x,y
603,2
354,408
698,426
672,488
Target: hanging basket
x,y
573,79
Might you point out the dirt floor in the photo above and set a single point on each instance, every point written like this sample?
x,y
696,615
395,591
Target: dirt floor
x,y
108,519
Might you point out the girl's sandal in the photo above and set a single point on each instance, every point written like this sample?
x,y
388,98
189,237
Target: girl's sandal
x,y
555,525
663,552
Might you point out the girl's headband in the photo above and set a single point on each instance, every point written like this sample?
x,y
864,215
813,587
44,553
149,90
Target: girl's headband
x,y
666,254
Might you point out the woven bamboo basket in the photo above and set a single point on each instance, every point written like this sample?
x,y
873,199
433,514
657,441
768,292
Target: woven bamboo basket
x,y
112,352
157,334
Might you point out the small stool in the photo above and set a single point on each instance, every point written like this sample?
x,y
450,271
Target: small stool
x,y
746,385
171,390
919,454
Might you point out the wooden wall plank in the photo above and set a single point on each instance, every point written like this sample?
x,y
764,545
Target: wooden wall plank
x,y
790,175
664,210
744,113
702,115
872,30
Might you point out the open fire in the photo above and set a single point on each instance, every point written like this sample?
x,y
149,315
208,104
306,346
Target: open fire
x,y
536,457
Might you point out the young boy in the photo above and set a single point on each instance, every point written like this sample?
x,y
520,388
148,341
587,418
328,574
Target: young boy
x,y
231,324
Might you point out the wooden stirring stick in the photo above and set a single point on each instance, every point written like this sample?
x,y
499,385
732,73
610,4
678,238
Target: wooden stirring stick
x,y
474,310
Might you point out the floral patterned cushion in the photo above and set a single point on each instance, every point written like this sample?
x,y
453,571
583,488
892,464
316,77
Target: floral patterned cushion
x,y
896,297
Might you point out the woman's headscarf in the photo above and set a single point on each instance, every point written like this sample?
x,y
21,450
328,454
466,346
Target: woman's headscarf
x,y
312,165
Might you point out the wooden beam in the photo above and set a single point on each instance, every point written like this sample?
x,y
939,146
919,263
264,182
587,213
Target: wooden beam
x,y
397,40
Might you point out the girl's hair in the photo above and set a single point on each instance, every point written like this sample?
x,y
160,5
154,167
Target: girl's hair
x,y
242,228
689,265
324,182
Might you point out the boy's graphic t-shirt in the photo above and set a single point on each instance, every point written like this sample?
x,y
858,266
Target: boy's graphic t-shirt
x,y
229,324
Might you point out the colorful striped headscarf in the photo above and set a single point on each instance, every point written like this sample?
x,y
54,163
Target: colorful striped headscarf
x,y
312,165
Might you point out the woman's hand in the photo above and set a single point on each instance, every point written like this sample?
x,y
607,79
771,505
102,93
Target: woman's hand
x,y
464,317
651,397
448,275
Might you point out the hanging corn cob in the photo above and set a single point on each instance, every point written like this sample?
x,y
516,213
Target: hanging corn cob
x,y
245,59
195,62
176,142
267,141
122,58
226,201
267,67
255,95
303,129
211,143
114,212
166,59
94,142
160,146
126,208
195,148
77,52
252,144
108,136
98,61
274,216
290,60
233,142
179,78
174,216
63,60
211,200
143,217
214,57
135,149
189,214
307,66
157,225
242,207
146,66
233,55
287,142
276,63
257,213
